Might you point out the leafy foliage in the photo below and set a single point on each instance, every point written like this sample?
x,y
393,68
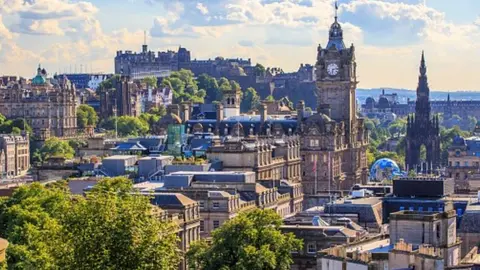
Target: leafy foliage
x,y
54,147
184,87
14,126
86,116
111,228
128,125
150,81
211,87
250,100
252,240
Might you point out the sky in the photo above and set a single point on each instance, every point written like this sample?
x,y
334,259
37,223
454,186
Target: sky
x,y
389,35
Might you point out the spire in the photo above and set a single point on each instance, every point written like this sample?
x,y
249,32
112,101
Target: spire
x,y
448,97
423,68
336,33
336,11
144,46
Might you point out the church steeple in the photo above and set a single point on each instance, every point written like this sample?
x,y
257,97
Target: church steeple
x,y
336,33
423,91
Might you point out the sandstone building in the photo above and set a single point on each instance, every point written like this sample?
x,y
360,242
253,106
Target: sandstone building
x,y
14,155
48,105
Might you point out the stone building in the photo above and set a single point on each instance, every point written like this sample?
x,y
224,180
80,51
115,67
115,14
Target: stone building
x,y
422,129
14,155
48,105
187,216
334,139
123,100
464,161
216,207
437,229
270,159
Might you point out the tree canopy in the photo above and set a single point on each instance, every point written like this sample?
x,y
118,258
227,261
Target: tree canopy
x,y
252,240
129,125
86,116
111,228
184,87
54,147
150,81
250,100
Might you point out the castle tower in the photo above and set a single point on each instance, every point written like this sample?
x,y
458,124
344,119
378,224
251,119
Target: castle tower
x,y
422,129
231,103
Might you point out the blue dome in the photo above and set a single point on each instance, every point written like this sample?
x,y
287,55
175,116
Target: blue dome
x,y
384,168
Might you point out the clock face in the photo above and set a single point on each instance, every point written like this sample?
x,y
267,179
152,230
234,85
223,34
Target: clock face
x,y
332,69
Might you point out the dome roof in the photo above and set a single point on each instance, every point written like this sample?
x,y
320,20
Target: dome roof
x,y
384,168
383,103
40,79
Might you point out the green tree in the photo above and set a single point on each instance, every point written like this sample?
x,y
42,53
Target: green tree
x,y
115,228
150,119
159,111
250,100
210,85
252,240
259,70
86,116
184,87
14,126
54,147
150,81
111,228
108,83
131,126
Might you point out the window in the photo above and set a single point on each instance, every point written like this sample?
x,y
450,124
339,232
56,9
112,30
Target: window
x,y
216,224
216,205
466,163
457,163
314,143
202,226
202,204
312,247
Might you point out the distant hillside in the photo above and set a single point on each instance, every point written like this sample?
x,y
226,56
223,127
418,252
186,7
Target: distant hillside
x,y
405,94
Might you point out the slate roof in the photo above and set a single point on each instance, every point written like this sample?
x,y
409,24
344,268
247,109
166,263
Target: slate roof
x,y
129,146
171,199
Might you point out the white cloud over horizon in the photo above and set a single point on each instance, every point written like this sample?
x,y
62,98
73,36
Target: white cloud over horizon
x,y
389,36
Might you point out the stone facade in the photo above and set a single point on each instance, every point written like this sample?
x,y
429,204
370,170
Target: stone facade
x,y
14,155
334,140
48,105
422,129
123,100
435,229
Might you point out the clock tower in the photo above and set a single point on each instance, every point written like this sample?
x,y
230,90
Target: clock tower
x,y
334,140
336,78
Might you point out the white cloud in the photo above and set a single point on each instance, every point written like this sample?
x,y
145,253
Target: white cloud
x,y
202,8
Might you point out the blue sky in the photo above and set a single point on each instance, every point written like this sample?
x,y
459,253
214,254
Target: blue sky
x,y
389,35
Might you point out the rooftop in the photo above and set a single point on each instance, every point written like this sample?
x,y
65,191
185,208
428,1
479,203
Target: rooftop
x,y
120,157
171,199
